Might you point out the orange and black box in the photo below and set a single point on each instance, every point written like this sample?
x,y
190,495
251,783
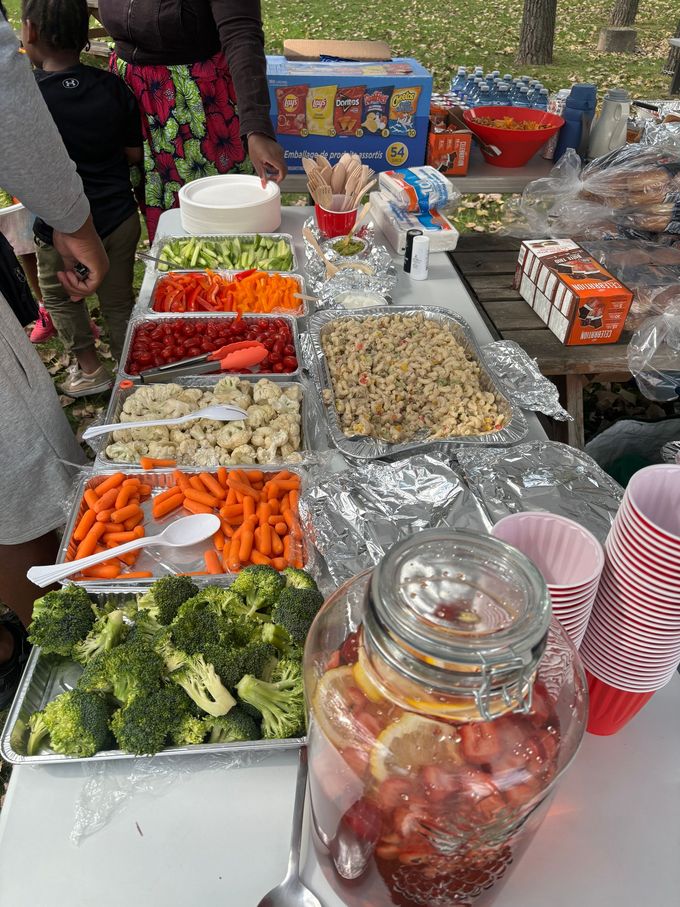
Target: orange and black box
x,y
579,300
448,146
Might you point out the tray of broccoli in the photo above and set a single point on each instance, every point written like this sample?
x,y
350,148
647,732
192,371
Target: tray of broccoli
x,y
170,669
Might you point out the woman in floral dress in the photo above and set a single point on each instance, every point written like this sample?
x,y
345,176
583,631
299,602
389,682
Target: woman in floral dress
x,y
198,71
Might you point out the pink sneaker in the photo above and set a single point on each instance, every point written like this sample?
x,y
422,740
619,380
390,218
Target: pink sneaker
x,y
43,329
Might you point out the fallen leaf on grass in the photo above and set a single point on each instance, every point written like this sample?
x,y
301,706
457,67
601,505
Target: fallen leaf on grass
x,y
65,400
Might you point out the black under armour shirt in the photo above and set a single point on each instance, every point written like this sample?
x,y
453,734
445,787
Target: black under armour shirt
x,y
98,118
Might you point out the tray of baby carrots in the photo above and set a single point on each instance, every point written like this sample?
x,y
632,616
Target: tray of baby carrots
x,y
258,511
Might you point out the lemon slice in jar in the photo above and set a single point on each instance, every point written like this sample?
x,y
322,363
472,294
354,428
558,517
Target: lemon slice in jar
x,y
335,706
361,671
410,743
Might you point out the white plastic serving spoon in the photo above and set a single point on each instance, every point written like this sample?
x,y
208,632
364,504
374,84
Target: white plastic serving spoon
x,y
188,530
218,413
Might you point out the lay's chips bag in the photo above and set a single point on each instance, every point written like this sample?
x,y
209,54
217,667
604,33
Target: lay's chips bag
x,y
321,110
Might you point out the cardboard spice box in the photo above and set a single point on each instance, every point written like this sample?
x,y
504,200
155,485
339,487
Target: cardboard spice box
x,y
448,146
571,292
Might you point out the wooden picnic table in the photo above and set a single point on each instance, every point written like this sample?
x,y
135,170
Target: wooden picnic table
x,y
97,47
487,265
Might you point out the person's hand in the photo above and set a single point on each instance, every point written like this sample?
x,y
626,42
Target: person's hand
x,y
82,247
267,157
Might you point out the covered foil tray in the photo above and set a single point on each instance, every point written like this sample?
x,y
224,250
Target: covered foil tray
x,y
146,308
205,382
161,241
135,323
363,447
46,676
164,560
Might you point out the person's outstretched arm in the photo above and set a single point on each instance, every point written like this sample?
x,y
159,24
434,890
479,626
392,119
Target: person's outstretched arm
x,y
35,167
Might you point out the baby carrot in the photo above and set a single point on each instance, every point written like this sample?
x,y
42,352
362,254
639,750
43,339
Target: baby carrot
x,y
258,558
255,475
213,486
131,483
195,507
294,499
232,560
197,484
279,563
265,544
89,543
181,479
285,503
106,501
230,511
274,506
212,562
287,542
168,505
125,513
145,491
248,506
118,538
104,516
91,497
222,476
218,540
102,571
281,529
227,530
129,559
246,545
245,490
288,484
273,490
124,495
277,544
85,523
264,511
112,482
168,493
231,496
143,574
153,463
114,527
133,521
202,497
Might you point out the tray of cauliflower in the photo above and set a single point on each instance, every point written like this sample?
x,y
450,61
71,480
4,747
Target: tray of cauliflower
x,y
272,433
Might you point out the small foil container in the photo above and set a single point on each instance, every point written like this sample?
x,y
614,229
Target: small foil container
x,y
372,299
331,253
364,447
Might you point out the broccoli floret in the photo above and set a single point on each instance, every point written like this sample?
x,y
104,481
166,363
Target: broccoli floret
x,y
279,637
260,585
108,631
230,728
124,672
77,724
295,611
143,725
146,629
61,619
199,680
299,579
197,623
232,664
166,595
189,731
280,702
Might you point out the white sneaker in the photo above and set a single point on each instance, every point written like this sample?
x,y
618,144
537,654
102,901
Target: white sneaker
x,y
83,384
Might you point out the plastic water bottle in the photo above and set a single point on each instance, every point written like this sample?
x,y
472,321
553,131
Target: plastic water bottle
x,y
479,71
508,78
541,102
459,81
496,73
522,98
503,95
525,80
484,96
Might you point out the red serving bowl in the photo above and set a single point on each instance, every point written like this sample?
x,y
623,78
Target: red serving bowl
x,y
517,146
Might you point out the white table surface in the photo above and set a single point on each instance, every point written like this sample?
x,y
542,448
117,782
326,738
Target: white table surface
x,y
218,836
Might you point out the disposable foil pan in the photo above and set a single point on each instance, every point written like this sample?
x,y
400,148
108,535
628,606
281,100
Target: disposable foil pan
x,y
46,676
161,241
205,382
136,322
364,447
162,561
146,307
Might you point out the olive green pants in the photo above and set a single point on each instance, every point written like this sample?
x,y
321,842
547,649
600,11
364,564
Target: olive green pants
x,y
116,295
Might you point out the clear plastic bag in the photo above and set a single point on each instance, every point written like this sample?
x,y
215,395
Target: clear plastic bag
x,y
654,355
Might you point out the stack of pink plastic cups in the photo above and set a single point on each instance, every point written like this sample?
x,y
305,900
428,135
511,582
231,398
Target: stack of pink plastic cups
x,y
632,646
569,557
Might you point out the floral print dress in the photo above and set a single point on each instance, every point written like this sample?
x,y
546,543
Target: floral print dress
x,y
190,127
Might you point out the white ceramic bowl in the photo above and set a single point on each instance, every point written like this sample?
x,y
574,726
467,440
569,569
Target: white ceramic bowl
x,y
230,203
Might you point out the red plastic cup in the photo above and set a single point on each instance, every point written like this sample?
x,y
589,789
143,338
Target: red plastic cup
x,y
610,708
335,223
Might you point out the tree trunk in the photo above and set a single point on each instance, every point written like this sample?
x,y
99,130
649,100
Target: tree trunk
x,y
624,13
674,53
537,33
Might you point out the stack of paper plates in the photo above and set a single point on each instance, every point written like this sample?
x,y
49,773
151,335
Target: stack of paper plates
x,y
232,203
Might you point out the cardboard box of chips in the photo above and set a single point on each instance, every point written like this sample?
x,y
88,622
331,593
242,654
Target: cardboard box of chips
x,y
571,292
379,110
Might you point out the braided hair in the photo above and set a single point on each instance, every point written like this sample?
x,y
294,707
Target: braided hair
x,y
61,24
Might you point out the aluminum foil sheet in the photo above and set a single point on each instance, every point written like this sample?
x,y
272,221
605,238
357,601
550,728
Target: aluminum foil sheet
x,y
353,517
325,289
522,380
364,447
543,475
670,453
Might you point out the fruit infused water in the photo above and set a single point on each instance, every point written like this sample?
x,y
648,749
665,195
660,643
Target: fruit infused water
x,y
444,705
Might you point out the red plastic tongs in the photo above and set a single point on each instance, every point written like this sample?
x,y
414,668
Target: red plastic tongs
x,y
232,357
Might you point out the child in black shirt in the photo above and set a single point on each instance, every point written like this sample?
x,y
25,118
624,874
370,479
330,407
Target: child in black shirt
x,y
99,121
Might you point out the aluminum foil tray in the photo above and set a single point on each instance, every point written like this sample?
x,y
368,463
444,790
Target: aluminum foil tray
x,y
46,676
363,447
205,382
162,561
161,241
145,307
136,321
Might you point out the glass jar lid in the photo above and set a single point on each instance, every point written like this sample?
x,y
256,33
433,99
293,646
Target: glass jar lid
x,y
460,612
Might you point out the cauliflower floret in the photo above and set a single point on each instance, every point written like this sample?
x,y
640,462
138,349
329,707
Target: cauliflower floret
x,y
126,453
177,435
266,437
173,408
267,454
287,450
191,395
266,391
197,431
229,390
207,399
121,434
146,398
152,433
260,414
186,451
206,456
293,457
233,435
285,405
244,454
294,392
162,450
